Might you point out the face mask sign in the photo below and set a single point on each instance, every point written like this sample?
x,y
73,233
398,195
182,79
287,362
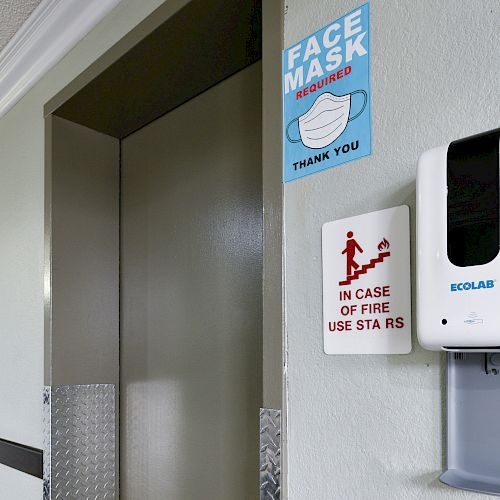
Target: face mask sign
x,y
326,119
326,97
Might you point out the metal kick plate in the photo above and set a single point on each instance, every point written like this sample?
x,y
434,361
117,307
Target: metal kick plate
x,y
79,442
270,454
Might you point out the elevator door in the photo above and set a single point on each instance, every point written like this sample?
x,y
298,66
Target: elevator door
x,y
191,311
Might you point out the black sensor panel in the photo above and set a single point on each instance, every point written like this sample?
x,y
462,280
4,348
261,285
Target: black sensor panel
x,y
473,200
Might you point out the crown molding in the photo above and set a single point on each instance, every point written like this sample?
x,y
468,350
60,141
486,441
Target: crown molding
x,y
51,31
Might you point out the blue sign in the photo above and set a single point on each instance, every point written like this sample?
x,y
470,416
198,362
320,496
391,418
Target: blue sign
x,y
326,97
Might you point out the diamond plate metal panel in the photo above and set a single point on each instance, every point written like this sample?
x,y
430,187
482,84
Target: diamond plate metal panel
x,y
79,442
46,442
270,454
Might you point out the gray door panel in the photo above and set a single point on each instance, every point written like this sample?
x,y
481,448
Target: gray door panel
x,y
191,298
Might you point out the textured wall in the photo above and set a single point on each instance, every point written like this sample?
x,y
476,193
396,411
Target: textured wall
x,y
13,13
371,427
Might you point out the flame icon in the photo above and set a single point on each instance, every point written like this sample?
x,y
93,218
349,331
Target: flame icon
x,y
383,245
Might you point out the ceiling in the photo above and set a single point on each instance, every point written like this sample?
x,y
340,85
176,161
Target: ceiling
x,y
13,13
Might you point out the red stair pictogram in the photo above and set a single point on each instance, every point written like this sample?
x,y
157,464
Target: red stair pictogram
x,y
364,268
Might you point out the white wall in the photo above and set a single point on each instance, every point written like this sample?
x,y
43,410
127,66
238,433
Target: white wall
x,y
21,247
371,427
16,485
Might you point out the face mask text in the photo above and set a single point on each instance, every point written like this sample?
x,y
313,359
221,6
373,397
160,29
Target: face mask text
x,y
340,42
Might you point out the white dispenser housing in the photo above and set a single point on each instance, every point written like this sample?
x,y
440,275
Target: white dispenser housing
x,y
458,298
458,239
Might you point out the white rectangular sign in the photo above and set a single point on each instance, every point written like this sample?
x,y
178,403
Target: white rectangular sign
x,y
366,283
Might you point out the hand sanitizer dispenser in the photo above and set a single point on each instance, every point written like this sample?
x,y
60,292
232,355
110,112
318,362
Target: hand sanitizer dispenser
x,y
458,239
458,298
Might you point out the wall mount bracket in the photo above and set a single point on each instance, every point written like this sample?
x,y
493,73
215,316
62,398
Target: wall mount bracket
x,y
473,409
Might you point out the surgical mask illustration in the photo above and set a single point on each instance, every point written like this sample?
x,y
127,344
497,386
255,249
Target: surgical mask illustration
x,y
326,120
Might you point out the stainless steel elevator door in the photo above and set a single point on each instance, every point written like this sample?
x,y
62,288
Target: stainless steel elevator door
x,y
191,298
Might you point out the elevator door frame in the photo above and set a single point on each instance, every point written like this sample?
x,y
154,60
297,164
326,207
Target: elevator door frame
x,y
92,87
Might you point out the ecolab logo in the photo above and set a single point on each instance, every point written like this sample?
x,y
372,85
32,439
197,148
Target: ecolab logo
x,y
472,285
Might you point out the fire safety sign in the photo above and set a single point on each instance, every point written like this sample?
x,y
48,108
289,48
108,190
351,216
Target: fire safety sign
x,y
366,284
326,97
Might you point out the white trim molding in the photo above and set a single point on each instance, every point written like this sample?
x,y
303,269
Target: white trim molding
x,y
51,31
